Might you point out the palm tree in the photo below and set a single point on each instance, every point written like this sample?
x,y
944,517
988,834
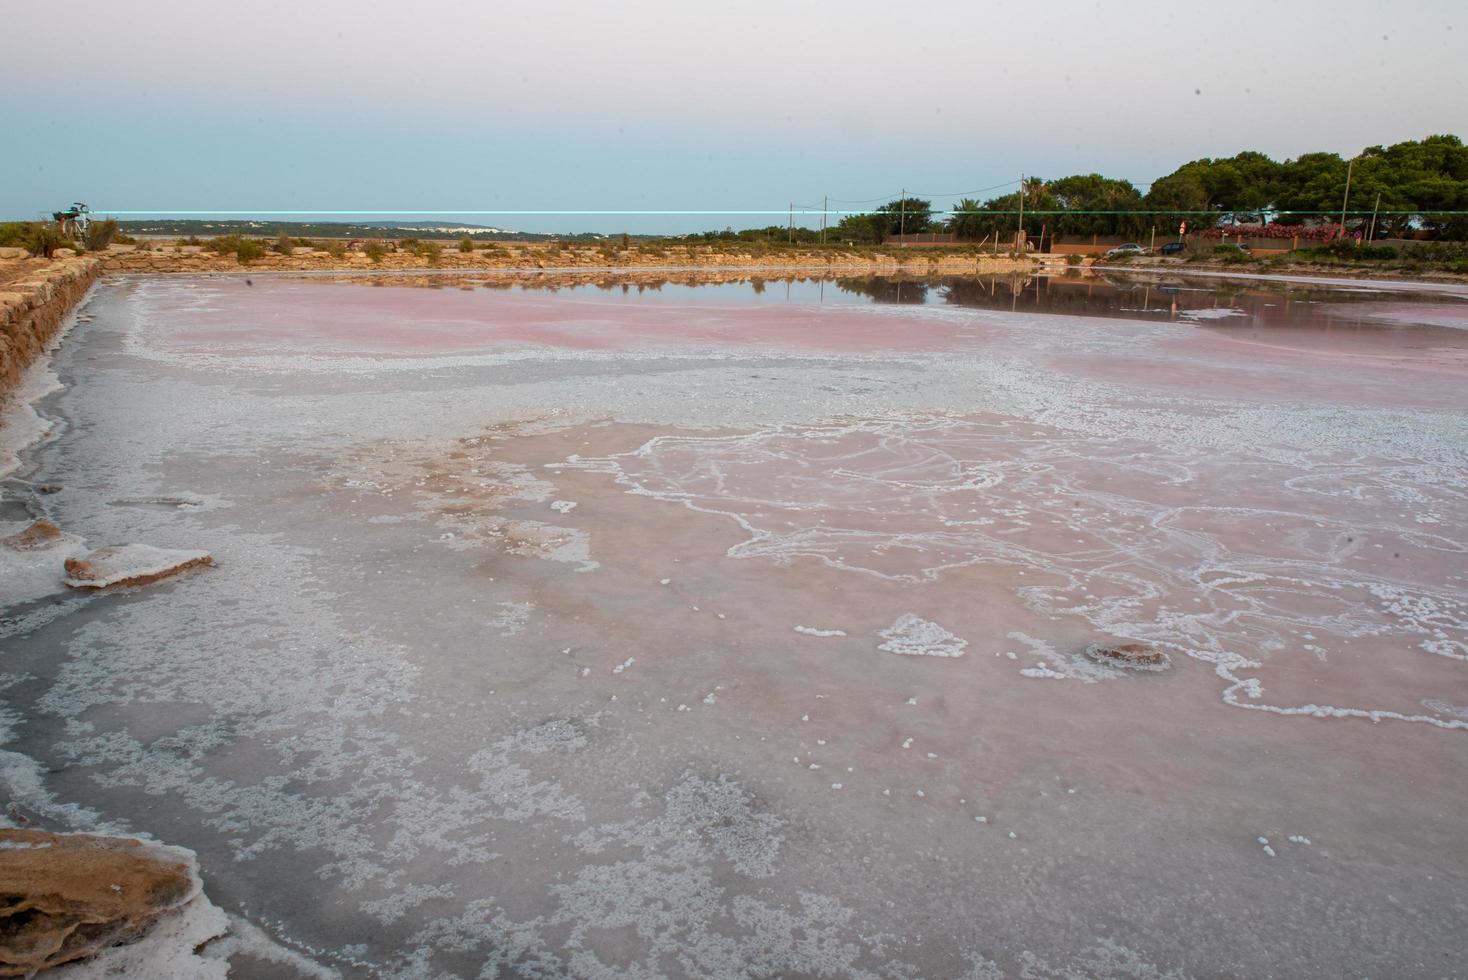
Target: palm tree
x,y
966,221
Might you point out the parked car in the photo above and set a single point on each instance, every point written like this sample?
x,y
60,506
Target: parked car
x,y
1130,248
1173,248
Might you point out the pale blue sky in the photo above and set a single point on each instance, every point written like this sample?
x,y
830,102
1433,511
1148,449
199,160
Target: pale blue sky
x,y
177,104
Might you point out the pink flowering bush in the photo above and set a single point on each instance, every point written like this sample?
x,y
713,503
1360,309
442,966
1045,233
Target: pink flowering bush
x,y
1306,233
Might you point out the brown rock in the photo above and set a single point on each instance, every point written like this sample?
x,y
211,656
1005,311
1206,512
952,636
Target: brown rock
x,y
66,896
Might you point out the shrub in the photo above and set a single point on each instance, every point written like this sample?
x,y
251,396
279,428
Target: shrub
x,y
1347,250
1231,254
248,250
37,237
375,250
432,251
1446,252
466,244
100,234
243,249
284,245
224,244
336,249
1072,259
16,234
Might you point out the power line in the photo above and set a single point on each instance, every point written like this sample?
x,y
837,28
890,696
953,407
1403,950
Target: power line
x,y
981,190
870,200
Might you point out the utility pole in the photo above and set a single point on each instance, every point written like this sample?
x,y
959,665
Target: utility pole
x,y
901,217
1019,237
790,225
1349,168
824,205
1371,235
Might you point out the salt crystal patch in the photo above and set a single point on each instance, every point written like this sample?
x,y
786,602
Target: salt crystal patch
x,y
562,506
913,636
817,631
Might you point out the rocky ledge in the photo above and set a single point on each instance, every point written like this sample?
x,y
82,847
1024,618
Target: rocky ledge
x,y
64,897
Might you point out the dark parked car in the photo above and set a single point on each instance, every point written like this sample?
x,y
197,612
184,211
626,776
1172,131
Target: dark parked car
x,y
1130,248
1173,248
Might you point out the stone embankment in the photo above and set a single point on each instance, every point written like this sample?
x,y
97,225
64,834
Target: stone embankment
x,y
158,258
35,297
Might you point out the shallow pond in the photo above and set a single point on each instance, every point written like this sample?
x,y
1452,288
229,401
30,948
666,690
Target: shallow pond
x,y
746,629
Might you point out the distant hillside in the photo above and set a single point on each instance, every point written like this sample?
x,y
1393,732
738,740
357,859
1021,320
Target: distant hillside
x,y
184,228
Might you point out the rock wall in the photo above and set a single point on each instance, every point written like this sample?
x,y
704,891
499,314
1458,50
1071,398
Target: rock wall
x,y
35,298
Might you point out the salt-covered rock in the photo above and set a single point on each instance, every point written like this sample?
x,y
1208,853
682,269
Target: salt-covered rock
x,y
1129,656
31,561
40,535
130,564
68,896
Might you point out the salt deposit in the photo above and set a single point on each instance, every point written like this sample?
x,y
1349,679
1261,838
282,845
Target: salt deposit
x,y
817,631
916,637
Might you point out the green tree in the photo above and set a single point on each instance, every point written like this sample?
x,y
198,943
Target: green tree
x,y
912,215
967,221
862,229
1091,204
